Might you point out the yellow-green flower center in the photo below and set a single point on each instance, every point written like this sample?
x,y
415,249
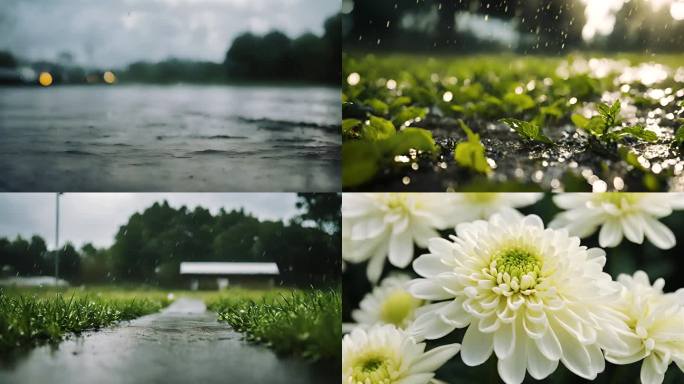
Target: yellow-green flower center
x,y
516,269
397,202
481,197
517,262
616,198
398,308
373,367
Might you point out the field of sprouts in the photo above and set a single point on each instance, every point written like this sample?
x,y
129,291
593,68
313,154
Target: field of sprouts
x,y
513,123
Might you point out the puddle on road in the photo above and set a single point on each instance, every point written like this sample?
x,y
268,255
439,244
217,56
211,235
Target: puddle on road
x,y
182,344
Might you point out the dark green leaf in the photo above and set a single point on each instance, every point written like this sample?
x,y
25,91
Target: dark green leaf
x,y
519,102
377,128
360,162
528,130
471,153
409,138
348,126
679,136
409,114
379,107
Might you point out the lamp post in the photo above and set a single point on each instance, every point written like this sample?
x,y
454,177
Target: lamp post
x,y
57,236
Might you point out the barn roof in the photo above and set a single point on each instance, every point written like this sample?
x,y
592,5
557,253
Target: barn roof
x,y
227,268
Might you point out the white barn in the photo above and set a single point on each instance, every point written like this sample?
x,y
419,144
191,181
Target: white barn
x,y
226,273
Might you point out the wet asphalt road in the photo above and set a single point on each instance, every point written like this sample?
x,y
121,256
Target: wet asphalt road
x,y
182,344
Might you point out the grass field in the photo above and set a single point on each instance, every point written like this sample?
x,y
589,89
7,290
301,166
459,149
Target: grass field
x,y
30,316
514,122
304,323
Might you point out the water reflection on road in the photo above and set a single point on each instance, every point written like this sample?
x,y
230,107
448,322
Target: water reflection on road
x,y
182,344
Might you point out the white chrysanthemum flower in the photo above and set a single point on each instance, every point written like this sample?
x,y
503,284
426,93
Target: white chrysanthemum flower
x,y
387,355
386,225
388,303
481,206
633,215
656,323
534,296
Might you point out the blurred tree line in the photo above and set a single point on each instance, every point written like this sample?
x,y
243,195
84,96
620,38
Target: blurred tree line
x,y
548,26
150,246
271,58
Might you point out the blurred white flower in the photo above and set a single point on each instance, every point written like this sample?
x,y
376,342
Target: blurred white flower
x,y
388,303
656,324
633,215
481,206
534,296
387,355
386,225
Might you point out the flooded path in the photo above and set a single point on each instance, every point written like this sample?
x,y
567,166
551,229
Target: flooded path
x,y
182,344
180,138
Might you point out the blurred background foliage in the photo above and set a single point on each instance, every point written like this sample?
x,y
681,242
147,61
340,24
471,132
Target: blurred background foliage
x,y
270,58
524,26
150,246
625,258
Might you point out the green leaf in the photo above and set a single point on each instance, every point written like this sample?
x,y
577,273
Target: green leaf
x,y
528,130
377,128
594,126
471,153
409,138
640,132
551,110
579,120
520,102
408,114
630,157
400,101
359,162
379,107
609,114
679,136
348,126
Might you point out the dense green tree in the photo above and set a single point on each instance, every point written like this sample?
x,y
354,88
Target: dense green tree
x,y
151,245
322,209
7,60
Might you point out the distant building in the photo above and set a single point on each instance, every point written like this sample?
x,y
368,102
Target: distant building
x,y
221,274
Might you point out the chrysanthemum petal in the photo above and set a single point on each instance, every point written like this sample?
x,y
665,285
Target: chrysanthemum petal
x,y
418,378
538,365
428,265
375,266
571,200
504,340
429,326
427,289
401,249
549,345
533,221
512,368
435,358
476,346
610,234
658,234
575,355
633,229
649,372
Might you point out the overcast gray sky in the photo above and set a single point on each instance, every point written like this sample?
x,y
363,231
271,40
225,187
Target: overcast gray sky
x,y
113,33
95,217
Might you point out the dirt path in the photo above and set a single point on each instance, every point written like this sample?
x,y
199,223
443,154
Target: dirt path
x,y
182,344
